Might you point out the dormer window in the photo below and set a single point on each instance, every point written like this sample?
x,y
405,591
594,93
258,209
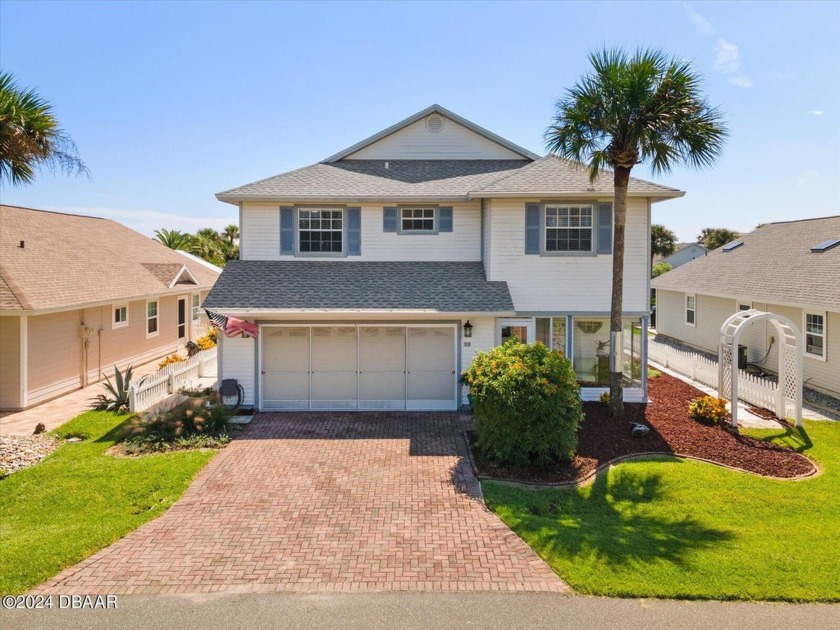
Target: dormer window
x,y
417,220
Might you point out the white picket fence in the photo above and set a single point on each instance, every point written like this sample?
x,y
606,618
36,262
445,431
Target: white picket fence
x,y
170,379
755,390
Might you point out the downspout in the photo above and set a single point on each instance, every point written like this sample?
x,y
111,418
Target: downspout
x,y
99,342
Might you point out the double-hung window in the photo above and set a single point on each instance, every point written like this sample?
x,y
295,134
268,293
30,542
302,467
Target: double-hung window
x,y
120,316
690,310
152,318
417,220
320,230
568,228
815,335
196,306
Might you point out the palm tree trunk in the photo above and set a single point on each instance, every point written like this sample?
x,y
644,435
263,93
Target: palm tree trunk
x,y
621,178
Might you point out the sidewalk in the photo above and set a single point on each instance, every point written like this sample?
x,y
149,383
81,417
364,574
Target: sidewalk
x,y
59,410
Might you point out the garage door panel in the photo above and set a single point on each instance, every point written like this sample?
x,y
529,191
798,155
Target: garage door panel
x,y
431,386
431,349
286,349
286,390
334,349
334,390
382,390
381,349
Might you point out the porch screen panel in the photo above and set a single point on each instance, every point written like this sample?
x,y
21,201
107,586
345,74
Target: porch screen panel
x,y
334,367
431,366
285,366
381,367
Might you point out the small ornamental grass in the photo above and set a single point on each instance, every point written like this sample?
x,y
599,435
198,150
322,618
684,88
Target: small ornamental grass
x,y
182,427
707,410
527,405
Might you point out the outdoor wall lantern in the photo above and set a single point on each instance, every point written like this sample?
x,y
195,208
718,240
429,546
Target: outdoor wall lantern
x,y
468,329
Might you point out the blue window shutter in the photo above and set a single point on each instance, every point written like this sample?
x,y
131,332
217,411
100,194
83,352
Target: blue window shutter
x,y
354,231
445,219
605,228
287,230
389,219
532,228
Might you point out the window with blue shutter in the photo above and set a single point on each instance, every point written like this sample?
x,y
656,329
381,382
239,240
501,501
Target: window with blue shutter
x,y
445,219
532,228
287,231
354,231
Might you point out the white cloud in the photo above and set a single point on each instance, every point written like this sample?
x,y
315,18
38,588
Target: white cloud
x,y
727,57
807,177
702,24
741,82
815,112
147,221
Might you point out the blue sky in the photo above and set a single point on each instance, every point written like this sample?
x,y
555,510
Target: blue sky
x,y
170,103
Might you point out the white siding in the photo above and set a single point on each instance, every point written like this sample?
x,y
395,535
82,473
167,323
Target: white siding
x,y
259,233
566,283
238,360
713,311
416,142
484,338
261,236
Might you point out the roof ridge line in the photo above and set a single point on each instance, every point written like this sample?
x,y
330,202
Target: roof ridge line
x,y
15,289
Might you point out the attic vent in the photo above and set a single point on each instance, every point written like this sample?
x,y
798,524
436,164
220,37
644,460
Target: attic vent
x,y
816,249
434,123
730,246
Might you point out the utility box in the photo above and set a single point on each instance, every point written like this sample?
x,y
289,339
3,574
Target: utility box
x,y
742,357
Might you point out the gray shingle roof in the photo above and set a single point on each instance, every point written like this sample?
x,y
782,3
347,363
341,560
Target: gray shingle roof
x,y
552,175
369,179
774,265
455,287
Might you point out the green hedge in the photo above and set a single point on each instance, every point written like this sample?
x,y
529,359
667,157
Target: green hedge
x,y
526,402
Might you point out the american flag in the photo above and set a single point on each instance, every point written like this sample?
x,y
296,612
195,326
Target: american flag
x,y
230,326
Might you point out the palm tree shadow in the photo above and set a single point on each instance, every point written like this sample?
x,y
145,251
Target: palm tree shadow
x,y
795,438
612,522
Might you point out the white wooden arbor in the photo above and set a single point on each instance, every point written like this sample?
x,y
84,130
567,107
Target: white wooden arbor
x,y
790,361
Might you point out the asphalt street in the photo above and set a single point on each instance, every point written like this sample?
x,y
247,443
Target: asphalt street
x,y
440,611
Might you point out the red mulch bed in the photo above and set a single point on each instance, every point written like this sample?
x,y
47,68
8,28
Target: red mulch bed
x,y
602,439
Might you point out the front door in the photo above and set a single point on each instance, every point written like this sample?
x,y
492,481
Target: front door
x,y
520,329
182,317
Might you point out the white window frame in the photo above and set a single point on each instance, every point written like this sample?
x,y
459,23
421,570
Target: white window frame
x,y
114,308
342,230
567,207
155,317
692,310
423,210
824,335
195,306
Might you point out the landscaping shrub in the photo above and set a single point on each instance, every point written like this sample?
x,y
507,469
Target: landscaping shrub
x,y
183,426
207,341
604,399
526,402
708,409
172,358
118,390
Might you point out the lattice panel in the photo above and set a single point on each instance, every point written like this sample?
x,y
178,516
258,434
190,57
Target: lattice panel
x,y
726,372
789,382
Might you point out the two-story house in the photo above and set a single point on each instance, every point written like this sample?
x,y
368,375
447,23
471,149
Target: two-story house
x,y
375,275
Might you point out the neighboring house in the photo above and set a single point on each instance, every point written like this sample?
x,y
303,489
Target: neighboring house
x,y
79,295
377,274
684,252
790,268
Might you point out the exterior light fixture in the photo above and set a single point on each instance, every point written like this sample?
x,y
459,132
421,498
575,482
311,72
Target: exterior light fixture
x,y
468,329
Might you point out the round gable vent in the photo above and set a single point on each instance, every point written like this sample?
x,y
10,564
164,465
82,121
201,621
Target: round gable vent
x,y
434,123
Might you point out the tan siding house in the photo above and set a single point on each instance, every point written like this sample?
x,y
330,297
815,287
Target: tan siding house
x,y
73,307
778,268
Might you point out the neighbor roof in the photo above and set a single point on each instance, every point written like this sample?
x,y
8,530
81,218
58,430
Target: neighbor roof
x,y
70,260
774,265
350,180
449,287
678,248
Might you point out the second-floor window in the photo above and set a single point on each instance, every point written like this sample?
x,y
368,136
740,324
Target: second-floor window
x,y
815,335
320,230
568,228
417,220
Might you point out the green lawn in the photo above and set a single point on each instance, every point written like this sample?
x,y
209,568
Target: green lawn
x,y
79,500
684,529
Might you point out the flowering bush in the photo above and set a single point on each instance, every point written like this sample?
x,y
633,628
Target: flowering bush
x,y
527,406
604,399
206,342
708,409
172,358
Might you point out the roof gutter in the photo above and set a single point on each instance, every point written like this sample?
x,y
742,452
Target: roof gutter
x,y
573,194
325,312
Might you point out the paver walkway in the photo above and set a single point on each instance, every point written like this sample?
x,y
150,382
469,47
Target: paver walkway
x,y
324,502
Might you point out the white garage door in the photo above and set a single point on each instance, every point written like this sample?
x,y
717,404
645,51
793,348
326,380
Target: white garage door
x,y
359,367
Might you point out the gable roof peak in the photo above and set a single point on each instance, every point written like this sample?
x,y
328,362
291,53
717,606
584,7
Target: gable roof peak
x,y
433,109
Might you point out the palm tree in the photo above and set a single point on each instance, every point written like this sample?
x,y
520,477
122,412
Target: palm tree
x,y
205,247
712,238
30,136
663,242
174,239
231,234
627,110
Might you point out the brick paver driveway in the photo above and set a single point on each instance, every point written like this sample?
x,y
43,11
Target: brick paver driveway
x,y
324,502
